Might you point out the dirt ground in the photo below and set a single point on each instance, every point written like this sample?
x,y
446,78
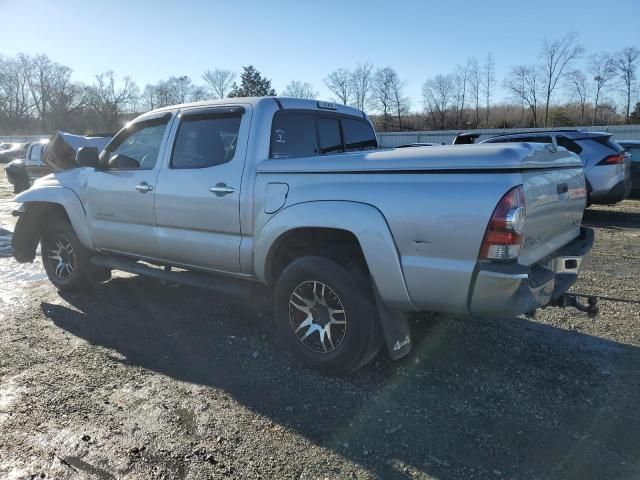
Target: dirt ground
x,y
144,380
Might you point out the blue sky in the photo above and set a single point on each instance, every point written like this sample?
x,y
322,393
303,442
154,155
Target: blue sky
x,y
304,40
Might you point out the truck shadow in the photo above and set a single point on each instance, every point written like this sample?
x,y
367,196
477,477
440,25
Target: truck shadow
x,y
612,219
477,397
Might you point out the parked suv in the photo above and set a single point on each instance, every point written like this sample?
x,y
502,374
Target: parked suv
x,y
606,165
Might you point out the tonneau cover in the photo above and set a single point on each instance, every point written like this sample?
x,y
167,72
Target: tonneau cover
x,y
513,156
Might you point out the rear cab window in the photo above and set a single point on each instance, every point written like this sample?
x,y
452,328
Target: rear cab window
x,y
358,135
308,133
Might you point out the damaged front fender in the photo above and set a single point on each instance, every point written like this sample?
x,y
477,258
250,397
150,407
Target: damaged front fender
x,y
38,205
28,232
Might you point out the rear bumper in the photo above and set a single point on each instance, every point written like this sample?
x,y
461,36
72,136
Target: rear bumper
x,y
512,289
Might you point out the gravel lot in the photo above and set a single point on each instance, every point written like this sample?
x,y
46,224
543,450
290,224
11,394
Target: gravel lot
x,y
143,380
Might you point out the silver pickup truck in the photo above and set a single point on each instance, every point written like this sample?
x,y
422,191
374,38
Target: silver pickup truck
x,y
295,194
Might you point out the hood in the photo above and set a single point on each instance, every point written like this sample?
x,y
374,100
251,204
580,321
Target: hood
x,y
60,152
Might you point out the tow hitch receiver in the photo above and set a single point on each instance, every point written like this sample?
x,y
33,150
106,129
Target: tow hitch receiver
x,y
571,300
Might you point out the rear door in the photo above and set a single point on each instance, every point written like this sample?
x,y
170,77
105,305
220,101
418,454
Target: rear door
x,y
198,190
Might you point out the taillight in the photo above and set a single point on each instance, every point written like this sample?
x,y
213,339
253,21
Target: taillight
x,y
505,231
613,159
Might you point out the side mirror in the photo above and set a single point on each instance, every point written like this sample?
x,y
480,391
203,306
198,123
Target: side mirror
x,y
122,162
88,157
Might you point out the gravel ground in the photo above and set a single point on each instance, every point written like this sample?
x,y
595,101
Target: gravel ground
x,y
143,380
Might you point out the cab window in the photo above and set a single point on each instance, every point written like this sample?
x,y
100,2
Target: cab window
x,y
36,153
293,135
358,135
301,134
329,136
141,143
206,140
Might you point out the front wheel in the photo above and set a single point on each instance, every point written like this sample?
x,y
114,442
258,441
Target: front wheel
x,y
326,315
65,260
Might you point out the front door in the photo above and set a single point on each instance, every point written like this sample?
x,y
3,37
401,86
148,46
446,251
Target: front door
x,y
120,198
198,191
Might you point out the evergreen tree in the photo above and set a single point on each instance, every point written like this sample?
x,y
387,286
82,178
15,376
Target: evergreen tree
x,y
252,84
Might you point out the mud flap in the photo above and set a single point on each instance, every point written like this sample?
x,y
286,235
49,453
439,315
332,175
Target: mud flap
x,y
27,233
395,328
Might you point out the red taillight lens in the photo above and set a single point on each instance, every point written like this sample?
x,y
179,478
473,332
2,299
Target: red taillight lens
x,y
505,231
613,159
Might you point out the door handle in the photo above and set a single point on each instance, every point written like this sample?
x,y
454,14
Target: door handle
x,y
562,188
221,189
144,187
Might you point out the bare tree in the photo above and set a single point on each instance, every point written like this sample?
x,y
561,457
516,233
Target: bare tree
x,y
199,93
150,97
557,56
578,90
461,78
66,98
219,81
475,82
179,89
625,66
339,83
602,67
109,101
297,89
38,71
16,102
361,80
401,102
488,79
438,94
382,98
523,85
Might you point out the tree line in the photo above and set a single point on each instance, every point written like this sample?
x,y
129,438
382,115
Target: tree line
x,y
564,87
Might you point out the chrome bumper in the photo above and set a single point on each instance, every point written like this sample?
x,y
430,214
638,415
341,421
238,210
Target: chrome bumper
x,y
512,289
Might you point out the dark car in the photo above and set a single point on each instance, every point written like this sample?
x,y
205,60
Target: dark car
x,y
633,148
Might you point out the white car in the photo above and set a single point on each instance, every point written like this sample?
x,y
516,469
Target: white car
x,y
33,158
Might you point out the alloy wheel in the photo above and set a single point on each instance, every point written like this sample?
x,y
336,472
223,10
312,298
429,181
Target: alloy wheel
x,y
62,258
317,316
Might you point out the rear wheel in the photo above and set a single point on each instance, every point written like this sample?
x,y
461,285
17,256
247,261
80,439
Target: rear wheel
x,y
65,260
326,315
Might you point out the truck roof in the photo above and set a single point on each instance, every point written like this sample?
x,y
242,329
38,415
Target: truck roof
x,y
282,102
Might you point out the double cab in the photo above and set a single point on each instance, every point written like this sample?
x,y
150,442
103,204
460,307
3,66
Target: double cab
x,y
296,195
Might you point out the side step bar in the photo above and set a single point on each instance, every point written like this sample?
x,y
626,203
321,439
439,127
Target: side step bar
x,y
218,283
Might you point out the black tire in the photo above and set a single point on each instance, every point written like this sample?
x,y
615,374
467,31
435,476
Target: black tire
x,y
64,258
343,347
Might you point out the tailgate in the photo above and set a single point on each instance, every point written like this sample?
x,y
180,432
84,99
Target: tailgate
x,y
555,200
